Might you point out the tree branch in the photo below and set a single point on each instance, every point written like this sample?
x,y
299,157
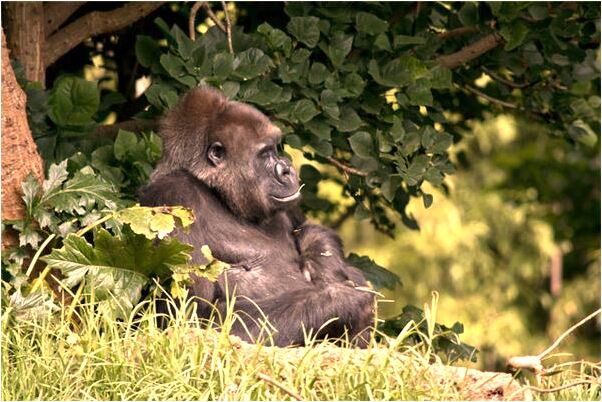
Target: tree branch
x,y
57,12
135,126
93,24
191,26
454,33
471,51
344,168
213,17
228,27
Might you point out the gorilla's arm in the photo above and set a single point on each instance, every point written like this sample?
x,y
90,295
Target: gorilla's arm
x,y
342,306
321,251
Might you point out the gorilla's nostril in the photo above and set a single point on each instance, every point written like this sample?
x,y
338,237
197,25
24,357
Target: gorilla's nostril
x,y
282,170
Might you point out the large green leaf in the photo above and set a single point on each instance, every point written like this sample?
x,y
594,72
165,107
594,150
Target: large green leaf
x,y
378,276
117,268
305,29
370,23
251,63
73,101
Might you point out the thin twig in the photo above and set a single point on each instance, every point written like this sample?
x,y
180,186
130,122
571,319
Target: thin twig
x,y
491,99
213,17
560,388
270,380
346,169
191,19
504,80
567,332
228,27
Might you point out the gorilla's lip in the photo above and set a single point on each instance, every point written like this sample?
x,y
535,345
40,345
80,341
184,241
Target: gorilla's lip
x,y
288,198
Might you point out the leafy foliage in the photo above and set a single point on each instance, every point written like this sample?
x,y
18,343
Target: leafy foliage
x,y
445,341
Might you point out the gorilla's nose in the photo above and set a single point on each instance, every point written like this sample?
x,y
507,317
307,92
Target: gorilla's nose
x,y
282,170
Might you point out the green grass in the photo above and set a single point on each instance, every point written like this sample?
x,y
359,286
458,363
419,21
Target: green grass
x,y
98,358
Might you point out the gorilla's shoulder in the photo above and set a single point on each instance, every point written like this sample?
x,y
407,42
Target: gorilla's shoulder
x,y
175,188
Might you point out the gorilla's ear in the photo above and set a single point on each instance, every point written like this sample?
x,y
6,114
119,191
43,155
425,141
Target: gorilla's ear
x,y
216,154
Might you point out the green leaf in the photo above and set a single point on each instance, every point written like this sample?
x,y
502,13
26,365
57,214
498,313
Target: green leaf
x,y
538,11
419,94
582,132
73,101
382,42
440,77
276,38
230,88
427,199
370,24
176,68
468,14
401,71
442,141
389,187
319,128
354,84
514,35
162,224
185,45
82,192
223,65
317,73
153,222
402,40
251,63
349,120
305,29
115,268
377,275
124,143
339,47
147,50
57,174
303,111
362,144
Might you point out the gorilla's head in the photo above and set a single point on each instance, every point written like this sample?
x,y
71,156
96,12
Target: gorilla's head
x,y
231,147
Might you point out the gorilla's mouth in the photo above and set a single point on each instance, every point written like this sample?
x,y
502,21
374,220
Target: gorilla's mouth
x,y
289,198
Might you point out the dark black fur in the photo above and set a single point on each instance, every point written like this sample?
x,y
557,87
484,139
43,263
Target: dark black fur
x,y
220,160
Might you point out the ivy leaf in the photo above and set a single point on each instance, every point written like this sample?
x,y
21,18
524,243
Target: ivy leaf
x,y
370,24
305,29
349,120
427,200
401,71
317,73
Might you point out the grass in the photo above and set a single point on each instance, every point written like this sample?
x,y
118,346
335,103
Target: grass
x,y
102,359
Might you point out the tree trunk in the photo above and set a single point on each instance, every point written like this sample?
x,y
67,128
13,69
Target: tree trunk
x,y
19,153
26,36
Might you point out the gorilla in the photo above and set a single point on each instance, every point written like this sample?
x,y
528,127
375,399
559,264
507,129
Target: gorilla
x,y
220,160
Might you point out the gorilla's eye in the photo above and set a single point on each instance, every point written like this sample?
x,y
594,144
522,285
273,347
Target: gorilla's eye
x,y
267,151
216,153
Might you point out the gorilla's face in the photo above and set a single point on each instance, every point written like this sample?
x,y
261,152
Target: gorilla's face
x,y
280,184
250,175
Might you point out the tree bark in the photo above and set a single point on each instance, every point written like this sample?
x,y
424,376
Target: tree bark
x,y
93,24
19,153
26,36
57,12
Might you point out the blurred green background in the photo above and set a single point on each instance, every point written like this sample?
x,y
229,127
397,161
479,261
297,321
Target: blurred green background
x,y
513,247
